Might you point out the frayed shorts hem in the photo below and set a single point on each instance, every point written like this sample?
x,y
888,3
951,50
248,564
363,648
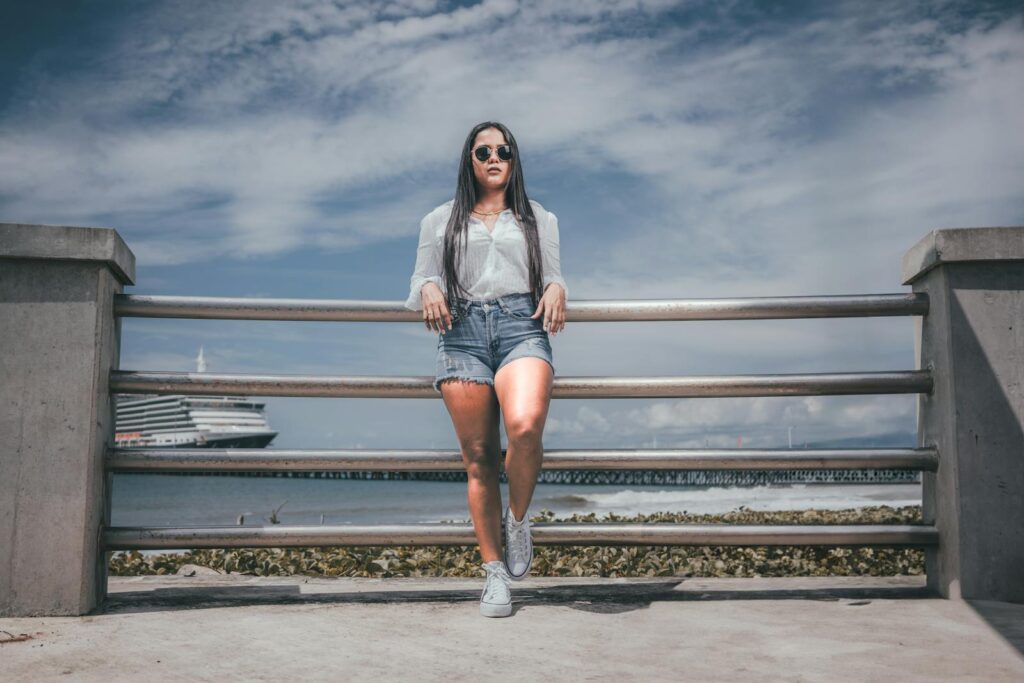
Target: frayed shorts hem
x,y
488,336
475,380
488,380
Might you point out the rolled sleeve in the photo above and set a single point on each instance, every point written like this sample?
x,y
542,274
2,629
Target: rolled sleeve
x,y
428,265
552,263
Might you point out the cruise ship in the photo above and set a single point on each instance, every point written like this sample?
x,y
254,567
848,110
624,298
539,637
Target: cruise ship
x,y
179,421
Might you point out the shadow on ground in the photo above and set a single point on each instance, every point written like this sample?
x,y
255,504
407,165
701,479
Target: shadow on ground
x,y
1006,619
598,597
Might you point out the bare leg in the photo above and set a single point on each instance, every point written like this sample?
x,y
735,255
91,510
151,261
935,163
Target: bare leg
x,y
474,411
524,394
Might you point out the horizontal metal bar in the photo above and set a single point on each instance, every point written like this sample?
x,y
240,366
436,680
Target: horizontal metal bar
x,y
412,460
545,533
369,386
746,308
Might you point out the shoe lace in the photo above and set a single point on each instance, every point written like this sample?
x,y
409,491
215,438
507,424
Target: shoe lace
x,y
517,540
496,587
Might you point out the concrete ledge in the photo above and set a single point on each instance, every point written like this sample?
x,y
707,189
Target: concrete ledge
x,y
955,245
19,240
128,594
665,628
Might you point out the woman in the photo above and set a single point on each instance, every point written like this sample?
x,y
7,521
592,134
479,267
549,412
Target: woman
x,y
487,278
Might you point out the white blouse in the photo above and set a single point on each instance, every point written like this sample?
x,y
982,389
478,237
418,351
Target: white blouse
x,y
495,263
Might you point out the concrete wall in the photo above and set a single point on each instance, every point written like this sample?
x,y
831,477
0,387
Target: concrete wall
x,y
59,341
973,340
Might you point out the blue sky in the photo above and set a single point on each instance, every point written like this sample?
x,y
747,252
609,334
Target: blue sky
x,y
689,149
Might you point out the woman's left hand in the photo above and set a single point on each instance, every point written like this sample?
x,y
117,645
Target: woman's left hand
x,y
552,307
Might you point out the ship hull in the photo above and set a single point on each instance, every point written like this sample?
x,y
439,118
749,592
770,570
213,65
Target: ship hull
x,y
191,422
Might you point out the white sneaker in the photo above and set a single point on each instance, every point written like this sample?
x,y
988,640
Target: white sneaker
x,y
496,600
518,546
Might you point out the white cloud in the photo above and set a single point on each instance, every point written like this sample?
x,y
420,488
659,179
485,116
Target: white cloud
x,y
282,106
587,420
761,422
342,100
784,157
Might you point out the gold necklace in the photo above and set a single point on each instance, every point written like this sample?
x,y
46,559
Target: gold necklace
x,y
492,213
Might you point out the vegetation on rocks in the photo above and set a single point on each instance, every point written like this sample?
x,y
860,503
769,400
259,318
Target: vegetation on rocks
x,y
609,561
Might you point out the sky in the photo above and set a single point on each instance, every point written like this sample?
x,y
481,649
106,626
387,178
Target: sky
x,y
689,149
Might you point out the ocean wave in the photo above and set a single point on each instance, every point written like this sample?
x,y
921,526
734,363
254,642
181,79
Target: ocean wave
x,y
718,499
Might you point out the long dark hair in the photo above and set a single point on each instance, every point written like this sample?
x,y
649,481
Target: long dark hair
x,y
465,199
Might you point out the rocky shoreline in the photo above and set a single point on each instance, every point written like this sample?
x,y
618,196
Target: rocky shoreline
x,y
608,561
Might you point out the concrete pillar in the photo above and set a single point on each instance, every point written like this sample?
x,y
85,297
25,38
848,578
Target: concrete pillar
x,y
58,343
973,341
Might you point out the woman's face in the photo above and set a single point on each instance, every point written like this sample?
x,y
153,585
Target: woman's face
x,y
493,173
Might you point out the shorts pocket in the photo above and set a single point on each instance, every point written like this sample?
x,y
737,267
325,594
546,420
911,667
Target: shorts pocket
x,y
522,310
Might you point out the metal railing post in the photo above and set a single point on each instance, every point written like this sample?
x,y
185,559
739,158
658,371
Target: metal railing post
x,y
972,339
58,336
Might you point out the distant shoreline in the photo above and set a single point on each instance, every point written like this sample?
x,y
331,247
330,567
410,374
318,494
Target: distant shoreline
x,y
694,478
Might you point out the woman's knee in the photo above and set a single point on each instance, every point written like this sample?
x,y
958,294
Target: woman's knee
x,y
524,428
479,457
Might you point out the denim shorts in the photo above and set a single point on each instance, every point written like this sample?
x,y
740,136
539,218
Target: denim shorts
x,y
487,335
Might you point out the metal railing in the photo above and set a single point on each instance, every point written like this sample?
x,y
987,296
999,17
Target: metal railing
x,y
554,533
749,308
415,460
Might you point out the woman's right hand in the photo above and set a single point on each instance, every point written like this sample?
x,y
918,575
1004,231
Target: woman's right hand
x,y
435,310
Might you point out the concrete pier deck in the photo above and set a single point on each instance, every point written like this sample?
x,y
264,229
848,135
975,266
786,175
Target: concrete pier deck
x,y
232,627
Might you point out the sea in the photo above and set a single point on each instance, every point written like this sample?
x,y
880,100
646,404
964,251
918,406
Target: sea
x,y
201,500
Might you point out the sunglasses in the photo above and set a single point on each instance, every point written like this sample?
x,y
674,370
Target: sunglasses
x,y
483,152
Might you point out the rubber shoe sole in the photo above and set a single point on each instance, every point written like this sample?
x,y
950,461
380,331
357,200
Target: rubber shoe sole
x,y
492,610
